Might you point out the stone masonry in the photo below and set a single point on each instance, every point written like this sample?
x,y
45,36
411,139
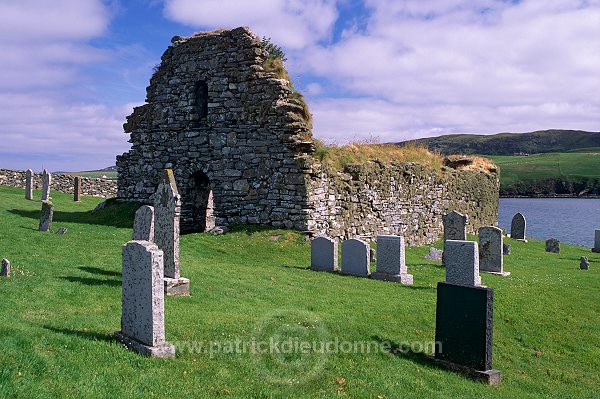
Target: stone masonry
x,y
238,139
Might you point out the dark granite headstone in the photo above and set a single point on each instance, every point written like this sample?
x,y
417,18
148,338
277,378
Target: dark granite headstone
x,y
463,325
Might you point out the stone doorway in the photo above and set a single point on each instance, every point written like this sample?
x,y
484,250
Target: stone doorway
x,y
203,206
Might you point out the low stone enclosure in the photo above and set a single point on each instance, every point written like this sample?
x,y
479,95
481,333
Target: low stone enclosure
x,y
63,183
227,120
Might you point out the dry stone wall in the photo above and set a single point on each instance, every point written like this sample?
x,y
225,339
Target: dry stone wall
x,y
61,182
239,142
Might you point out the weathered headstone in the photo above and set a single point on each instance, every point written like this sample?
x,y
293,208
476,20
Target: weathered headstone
x,y
455,226
143,306
434,254
553,245
29,184
506,249
62,231
518,226
5,270
491,257
355,258
46,181
143,224
462,263
391,262
584,263
167,210
596,241
77,189
464,331
324,254
46,216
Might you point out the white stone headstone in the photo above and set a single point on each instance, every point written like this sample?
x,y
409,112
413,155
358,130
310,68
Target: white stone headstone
x,y
491,250
355,258
143,224
29,184
462,263
167,210
46,182
391,260
324,254
143,306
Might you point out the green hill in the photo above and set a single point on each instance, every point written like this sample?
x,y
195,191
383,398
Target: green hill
x,y
62,305
510,143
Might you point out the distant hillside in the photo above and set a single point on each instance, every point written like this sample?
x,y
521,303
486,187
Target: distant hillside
x,y
509,143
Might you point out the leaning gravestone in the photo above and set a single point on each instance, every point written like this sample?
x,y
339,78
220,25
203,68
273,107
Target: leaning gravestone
x,y
77,189
324,254
143,224
46,181
596,241
143,306
355,258
5,270
553,245
462,263
46,216
464,331
518,226
167,210
29,184
584,263
391,262
491,257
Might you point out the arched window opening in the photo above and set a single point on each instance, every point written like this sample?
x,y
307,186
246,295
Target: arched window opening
x,y
202,99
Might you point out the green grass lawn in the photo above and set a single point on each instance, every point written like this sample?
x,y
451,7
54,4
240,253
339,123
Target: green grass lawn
x,y
538,167
110,174
63,303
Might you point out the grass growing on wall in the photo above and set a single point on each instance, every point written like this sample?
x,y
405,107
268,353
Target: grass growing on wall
x,y
63,303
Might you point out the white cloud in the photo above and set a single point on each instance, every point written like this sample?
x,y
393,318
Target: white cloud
x,y
290,23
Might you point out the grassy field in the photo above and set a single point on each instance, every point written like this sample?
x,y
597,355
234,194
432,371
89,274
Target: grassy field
x,y
62,305
110,174
558,166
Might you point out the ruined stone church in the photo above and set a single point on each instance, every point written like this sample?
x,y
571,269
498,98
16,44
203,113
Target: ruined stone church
x,y
238,138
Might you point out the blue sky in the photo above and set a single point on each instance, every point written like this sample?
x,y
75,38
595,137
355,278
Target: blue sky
x,y
391,70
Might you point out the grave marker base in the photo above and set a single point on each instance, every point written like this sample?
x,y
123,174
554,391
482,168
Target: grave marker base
x,y
503,274
165,350
406,279
489,377
177,286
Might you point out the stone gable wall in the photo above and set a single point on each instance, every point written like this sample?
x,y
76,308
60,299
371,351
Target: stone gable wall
x,y
61,182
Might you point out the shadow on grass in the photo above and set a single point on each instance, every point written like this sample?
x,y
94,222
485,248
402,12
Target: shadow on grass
x,y
92,281
92,336
101,272
115,214
297,267
404,351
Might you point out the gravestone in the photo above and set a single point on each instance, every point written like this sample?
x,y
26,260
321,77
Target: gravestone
x,y
596,241
5,270
143,306
29,184
77,189
491,256
584,263
355,258
143,224
372,255
62,231
462,263
46,216
464,331
434,254
324,254
455,226
506,249
391,261
46,181
518,226
167,210
553,245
